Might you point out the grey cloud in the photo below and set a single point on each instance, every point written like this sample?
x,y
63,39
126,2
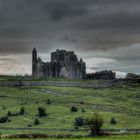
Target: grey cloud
x,y
107,27
59,11
13,47
69,39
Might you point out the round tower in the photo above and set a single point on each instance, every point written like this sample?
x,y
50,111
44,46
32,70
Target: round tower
x,y
34,62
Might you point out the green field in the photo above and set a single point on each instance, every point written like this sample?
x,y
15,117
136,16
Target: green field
x,y
122,103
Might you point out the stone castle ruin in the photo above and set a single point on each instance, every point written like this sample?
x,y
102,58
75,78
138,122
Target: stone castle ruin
x,y
104,75
63,64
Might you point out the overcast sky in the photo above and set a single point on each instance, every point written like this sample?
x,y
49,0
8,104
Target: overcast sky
x,y
105,33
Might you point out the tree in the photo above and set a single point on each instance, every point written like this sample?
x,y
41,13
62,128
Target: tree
x,y
83,110
22,111
4,119
79,121
95,123
113,121
48,101
42,111
36,122
74,109
9,113
3,107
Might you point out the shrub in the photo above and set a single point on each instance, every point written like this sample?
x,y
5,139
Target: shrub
x,y
95,123
3,108
48,101
83,110
79,121
113,121
4,119
42,111
23,103
22,111
29,125
36,122
81,102
9,114
74,109
76,128
15,114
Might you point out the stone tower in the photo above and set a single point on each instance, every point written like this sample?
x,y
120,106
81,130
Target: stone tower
x,y
34,62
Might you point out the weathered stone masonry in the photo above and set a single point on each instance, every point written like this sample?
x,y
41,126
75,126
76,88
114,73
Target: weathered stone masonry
x,y
63,64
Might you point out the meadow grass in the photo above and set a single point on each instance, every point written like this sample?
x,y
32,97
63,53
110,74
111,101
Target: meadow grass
x,y
122,103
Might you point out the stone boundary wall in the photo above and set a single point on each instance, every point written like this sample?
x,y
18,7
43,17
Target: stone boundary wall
x,y
97,84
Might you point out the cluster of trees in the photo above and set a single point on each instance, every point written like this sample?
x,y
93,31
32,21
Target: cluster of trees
x,y
21,112
94,123
6,118
41,113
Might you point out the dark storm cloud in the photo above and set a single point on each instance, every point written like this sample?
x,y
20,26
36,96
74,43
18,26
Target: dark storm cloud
x,y
25,17
69,39
10,47
38,19
62,9
86,26
119,21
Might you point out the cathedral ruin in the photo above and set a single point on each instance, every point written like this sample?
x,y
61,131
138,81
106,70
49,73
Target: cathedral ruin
x,y
63,64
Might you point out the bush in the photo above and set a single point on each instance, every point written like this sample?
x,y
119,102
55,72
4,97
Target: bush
x,y
79,121
36,122
23,103
3,108
113,121
42,111
48,101
83,110
4,119
22,111
81,102
74,109
9,114
29,125
95,123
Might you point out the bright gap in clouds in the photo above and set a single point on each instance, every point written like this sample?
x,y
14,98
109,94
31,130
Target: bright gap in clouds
x,y
99,64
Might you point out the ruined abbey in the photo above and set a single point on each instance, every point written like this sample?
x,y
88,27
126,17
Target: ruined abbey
x,y
63,64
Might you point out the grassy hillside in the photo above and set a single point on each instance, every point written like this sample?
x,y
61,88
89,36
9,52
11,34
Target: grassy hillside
x,y
122,103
